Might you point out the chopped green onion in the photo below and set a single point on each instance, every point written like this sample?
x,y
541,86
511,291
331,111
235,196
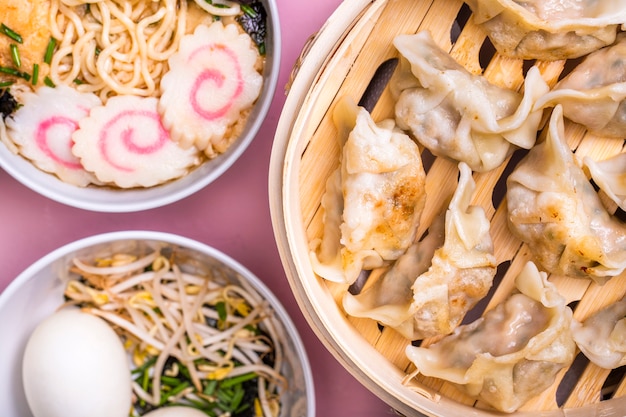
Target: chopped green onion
x,y
10,71
237,380
15,72
35,74
145,380
47,81
234,404
210,387
15,55
241,408
179,388
224,396
170,380
220,307
145,365
4,84
176,390
184,371
248,10
11,33
52,43
78,81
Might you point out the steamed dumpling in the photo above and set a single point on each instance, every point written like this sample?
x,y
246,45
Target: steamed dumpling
x,y
555,210
602,336
459,115
549,29
428,292
513,352
594,93
373,202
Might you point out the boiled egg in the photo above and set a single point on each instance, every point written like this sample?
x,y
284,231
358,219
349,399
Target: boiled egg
x,y
175,411
75,366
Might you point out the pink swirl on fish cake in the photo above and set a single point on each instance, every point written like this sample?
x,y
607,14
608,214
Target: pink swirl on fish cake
x,y
218,78
42,138
128,134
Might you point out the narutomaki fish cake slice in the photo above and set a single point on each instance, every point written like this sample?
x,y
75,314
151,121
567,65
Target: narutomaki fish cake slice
x,y
125,144
212,81
42,129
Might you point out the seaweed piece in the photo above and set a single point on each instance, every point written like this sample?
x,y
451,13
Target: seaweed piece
x,y
8,104
254,22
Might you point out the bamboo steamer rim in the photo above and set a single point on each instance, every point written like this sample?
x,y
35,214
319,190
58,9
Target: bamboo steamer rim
x,y
342,340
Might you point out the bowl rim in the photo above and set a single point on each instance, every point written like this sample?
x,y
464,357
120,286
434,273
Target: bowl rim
x,y
104,200
170,238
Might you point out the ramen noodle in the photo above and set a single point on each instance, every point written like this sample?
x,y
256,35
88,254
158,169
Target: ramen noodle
x,y
110,48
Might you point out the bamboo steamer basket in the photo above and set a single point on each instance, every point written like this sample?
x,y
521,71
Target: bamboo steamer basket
x,y
351,55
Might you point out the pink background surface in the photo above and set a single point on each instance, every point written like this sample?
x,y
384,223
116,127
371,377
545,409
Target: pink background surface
x,y
231,214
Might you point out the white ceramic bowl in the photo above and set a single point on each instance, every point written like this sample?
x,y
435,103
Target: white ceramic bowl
x,y
120,200
38,291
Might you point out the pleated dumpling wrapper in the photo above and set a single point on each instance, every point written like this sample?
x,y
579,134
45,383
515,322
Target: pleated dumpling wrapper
x,y
42,129
430,288
373,200
602,336
125,144
610,175
457,114
549,30
594,93
554,209
513,352
212,84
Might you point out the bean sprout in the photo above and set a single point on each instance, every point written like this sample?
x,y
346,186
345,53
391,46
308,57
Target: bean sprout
x,y
177,323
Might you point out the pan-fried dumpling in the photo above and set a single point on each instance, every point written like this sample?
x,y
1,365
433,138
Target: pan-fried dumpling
x,y
513,352
554,209
459,115
602,336
373,203
462,270
389,299
610,175
594,93
427,294
549,29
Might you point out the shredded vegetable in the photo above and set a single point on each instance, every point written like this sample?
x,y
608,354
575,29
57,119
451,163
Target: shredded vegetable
x,y
194,338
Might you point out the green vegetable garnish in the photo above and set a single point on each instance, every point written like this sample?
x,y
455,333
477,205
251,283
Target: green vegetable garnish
x,y
222,314
35,79
47,81
254,22
15,72
4,29
52,44
238,380
15,55
248,10
209,389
